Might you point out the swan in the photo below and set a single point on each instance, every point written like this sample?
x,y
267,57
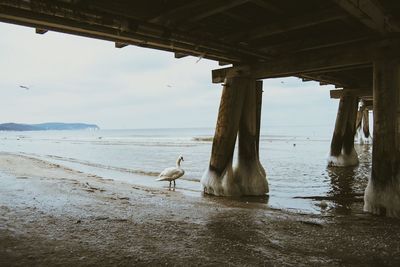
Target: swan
x,y
172,173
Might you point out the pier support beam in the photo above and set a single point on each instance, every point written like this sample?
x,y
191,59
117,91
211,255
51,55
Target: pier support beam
x,y
249,172
382,195
342,152
362,124
239,111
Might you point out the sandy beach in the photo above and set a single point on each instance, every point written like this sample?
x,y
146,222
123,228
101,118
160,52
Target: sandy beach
x,y
53,215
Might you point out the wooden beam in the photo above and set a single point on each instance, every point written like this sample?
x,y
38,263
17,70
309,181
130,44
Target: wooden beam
x,y
180,55
371,14
368,102
267,5
237,17
222,63
349,68
326,59
176,12
326,79
62,17
337,94
120,45
367,98
285,25
351,77
312,43
203,9
218,7
40,31
108,35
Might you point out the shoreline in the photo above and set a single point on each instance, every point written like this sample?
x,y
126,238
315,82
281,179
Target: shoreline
x,y
51,215
311,204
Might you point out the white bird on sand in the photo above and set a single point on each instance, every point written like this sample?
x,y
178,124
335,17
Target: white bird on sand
x,y
172,173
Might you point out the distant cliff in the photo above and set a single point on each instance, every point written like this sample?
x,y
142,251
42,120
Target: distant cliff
x,y
47,126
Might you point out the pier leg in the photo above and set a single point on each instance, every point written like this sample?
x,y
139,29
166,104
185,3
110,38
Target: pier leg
x,y
366,123
240,110
218,179
249,172
342,152
382,195
259,92
363,120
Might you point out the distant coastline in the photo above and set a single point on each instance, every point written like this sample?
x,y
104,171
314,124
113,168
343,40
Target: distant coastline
x,y
47,126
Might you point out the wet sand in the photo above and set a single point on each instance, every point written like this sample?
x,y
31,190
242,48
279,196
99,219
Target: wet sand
x,y
52,215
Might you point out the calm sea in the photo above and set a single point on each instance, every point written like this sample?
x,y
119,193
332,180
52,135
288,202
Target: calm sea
x,y
294,158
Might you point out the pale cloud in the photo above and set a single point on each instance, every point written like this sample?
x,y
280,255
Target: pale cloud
x,y
75,79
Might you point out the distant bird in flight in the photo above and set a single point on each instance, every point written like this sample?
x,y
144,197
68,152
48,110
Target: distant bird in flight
x,y
24,87
169,86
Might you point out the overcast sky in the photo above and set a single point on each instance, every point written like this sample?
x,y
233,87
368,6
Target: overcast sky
x,y
76,79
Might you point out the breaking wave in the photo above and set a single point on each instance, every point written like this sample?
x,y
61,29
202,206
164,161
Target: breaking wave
x,y
203,139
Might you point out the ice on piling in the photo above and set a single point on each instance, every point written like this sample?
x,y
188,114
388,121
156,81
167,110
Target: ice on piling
x,y
247,178
383,200
344,159
220,185
251,177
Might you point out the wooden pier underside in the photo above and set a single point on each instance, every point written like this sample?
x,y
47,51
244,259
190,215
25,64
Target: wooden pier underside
x,y
333,41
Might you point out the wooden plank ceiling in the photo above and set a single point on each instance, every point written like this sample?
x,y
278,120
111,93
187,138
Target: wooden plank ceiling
x,y
330,41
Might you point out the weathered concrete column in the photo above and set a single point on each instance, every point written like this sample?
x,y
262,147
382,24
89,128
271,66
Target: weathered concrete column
x,y
240,107
342,152
218,179
259,92
249,172
382,195
363,120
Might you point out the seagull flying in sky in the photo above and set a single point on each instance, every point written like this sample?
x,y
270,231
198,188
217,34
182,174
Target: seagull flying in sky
x,y
24,87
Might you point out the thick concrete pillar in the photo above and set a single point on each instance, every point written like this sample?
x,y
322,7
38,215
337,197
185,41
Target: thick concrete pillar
x,y
363,120
230,110
249,172
342,152
240,108
382,195
259,92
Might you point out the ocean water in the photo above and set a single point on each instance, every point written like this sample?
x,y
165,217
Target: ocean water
x,y
294,158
